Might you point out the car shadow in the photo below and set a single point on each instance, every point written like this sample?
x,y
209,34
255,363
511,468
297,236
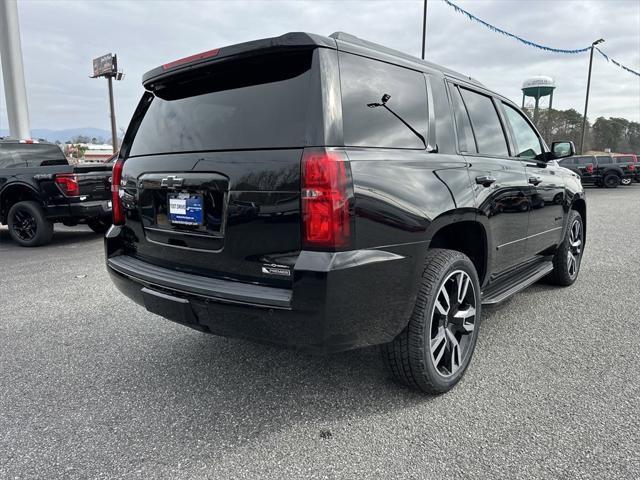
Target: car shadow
x,y
237,391
61,235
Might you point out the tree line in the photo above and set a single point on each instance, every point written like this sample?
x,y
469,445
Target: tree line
x,y
617,134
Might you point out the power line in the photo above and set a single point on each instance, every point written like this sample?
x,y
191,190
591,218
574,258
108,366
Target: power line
x,y
530,43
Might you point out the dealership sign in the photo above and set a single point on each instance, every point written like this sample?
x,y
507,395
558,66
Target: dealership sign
x,y
105,65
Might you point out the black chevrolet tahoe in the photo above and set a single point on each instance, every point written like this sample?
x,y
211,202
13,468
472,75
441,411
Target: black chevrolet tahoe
x,y
38,188
328,193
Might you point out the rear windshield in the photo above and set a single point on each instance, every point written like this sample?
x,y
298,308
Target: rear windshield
x,y
13,155
253,103
602,159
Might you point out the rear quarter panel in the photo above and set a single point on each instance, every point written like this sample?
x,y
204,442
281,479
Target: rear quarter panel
x,y
401,199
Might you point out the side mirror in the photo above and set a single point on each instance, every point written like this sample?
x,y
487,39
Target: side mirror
x,y
562,149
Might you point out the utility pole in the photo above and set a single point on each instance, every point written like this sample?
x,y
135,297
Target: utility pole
x,y
114,135
424,28
13,71
107,66
586,100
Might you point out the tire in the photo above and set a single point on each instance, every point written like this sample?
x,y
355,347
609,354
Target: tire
x,y
424,356
611,180
565,269
626,181
100,225
28,225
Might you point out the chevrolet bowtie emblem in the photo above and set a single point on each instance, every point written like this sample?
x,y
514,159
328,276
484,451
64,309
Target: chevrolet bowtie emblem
x,y
172,182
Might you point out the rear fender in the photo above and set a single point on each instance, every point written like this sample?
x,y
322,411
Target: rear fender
x,y
16,192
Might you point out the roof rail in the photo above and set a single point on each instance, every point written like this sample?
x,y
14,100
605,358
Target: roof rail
x,y
349,38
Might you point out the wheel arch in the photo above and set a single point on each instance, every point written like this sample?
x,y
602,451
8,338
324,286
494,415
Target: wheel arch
x,y
613,170
465,235
14,193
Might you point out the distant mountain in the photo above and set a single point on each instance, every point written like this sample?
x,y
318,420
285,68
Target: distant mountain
x,y
65,135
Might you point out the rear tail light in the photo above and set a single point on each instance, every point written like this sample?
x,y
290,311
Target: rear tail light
x,y
326,190
632,167
68,183
589,168
116,200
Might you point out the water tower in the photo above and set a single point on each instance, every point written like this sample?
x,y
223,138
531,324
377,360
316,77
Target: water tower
x,y
538,87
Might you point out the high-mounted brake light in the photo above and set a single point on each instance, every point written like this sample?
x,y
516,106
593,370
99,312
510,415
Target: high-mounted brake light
x,y
116,201
326,221
192,58
68,183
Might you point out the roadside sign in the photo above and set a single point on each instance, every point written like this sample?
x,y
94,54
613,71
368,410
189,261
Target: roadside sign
x,y
105,65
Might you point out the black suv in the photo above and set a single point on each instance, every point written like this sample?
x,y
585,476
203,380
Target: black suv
x,y
38,187
601,170
328,193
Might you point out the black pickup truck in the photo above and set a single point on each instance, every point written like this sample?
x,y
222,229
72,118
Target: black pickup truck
x,y
602,170
38,188
328,193
630,163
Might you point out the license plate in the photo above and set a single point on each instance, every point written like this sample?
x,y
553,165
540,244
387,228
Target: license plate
x,y
185,209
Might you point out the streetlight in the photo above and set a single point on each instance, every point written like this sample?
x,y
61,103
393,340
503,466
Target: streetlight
x,y
586,100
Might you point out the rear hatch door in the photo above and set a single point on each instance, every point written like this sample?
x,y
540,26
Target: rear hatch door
x,y
212,173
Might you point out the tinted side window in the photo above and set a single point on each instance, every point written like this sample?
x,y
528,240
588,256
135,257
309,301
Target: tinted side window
x,y
567,161
527,141
371,122
8,160
466,142
602,160
624,159
584,160
486,124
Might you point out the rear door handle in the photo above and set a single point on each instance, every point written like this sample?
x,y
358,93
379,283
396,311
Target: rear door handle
x,y
485,180
535,180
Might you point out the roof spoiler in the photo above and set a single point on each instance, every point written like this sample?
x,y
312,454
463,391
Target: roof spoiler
x,y
289,41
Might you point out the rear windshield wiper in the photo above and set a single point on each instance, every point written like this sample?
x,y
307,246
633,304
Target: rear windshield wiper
x,y
385,98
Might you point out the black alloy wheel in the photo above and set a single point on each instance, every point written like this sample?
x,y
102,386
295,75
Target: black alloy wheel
x,y
24,225
28,224
611,181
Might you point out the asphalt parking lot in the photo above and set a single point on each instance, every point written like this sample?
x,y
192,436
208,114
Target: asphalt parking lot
x,y
93,386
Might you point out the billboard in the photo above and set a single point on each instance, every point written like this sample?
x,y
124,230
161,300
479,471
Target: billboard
x,y
105,65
